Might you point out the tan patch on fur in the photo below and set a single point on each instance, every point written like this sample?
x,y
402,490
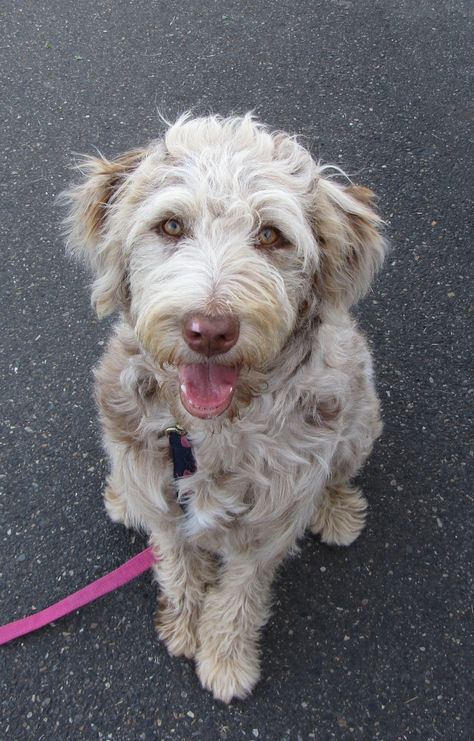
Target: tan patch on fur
x,y
121,415
89,200
106,177
352,248
362,194
329,411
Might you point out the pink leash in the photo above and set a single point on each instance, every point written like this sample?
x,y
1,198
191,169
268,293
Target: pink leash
x,y
117,578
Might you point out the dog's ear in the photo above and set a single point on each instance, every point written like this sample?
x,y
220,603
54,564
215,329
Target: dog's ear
x,y
89,237
352,248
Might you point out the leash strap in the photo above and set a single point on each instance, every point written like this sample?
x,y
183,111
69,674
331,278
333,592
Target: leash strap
x,y
105,584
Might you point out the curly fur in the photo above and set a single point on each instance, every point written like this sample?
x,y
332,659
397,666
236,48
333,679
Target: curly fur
x,y
304,415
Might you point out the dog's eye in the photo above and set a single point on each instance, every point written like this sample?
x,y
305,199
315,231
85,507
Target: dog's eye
x,y
172,227
268,236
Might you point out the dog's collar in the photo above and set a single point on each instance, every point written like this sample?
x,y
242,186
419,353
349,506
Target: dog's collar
x,y
184,463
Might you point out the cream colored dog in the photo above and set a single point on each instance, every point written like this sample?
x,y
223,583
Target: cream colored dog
x,y
233,259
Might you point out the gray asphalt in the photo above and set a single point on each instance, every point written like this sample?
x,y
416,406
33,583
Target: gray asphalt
x,y
373,642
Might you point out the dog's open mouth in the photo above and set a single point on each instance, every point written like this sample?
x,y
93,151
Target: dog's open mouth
x,y
207,389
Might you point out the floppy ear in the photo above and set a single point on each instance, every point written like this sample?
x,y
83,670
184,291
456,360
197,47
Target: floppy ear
x,y
87,225
351,246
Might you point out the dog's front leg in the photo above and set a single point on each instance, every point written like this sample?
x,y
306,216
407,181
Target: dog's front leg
x,y
183,573
234,611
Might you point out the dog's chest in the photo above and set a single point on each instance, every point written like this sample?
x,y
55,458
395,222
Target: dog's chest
x,y
218,491
238,473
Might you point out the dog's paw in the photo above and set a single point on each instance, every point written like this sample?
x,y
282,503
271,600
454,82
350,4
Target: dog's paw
x,y
176,629
116,506
227,674
340,515
227,665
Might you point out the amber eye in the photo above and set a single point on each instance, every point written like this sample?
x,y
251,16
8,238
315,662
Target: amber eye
x,y
268,236
172,227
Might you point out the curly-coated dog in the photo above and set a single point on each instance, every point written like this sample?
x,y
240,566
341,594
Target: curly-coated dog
x,y
233,258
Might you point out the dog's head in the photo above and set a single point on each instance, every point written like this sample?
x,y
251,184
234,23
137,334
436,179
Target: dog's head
x,y
220,243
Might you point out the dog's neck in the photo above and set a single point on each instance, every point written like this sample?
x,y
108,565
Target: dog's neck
x,y
296,352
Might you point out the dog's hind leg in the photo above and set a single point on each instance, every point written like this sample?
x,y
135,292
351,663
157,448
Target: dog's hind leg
x,y
339,516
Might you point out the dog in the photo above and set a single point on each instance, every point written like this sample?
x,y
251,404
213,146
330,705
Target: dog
x,y
233,258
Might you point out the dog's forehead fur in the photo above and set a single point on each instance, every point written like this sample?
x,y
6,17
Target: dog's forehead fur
x,y
231,169
243,140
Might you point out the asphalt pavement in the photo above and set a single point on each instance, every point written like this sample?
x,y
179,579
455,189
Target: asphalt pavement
x,y
372,642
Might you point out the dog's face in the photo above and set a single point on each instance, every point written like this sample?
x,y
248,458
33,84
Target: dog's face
x,y
220,242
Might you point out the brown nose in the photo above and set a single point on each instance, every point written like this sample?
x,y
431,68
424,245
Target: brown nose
x,y
211,335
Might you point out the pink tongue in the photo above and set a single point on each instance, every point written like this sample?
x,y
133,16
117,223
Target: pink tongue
x,y
207,389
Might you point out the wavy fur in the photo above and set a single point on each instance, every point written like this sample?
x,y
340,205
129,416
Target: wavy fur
x,y
305,413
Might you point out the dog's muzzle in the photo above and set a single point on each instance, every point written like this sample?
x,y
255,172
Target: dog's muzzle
x,y
207,388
